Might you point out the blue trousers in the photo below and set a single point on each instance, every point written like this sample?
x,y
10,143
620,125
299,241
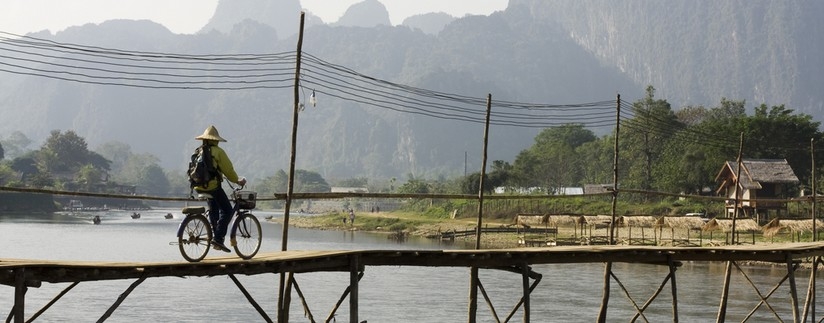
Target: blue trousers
x,y
220,213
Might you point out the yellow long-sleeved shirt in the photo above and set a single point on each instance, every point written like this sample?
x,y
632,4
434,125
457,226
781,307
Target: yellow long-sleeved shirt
x,y
222,164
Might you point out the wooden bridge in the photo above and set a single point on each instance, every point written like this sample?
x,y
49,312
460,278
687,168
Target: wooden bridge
x,y
24,274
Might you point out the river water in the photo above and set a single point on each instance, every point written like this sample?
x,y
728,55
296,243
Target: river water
x,y
567,293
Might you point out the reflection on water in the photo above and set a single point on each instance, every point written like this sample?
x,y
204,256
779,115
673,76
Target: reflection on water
x,y
566,293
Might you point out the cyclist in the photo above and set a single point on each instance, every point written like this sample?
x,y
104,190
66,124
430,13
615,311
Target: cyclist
x,y
220,208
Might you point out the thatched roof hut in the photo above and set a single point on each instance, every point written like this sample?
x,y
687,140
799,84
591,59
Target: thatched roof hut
x,y
681,222
792,225
531,219
596,220
638,221
725,225
564,220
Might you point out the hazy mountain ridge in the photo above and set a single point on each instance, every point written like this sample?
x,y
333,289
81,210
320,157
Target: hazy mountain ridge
x,y
532,52
695,52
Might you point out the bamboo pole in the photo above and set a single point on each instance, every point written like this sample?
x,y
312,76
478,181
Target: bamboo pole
x,y
525,280
812,162
121,298
672,269
18,310
602,316
810,301
725,294
354,278
250,298
283,313
473,272
737,186
483,174
793,290
615,170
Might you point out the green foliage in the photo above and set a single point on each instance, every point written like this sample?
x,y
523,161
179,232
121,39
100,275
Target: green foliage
x,y
305,182
554,160
414,186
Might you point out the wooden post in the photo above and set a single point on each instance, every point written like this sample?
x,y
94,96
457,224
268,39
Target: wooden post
x,y
473,271
737,184
525,280
812,162
483,174
291,184
809,303
19,295
793,291
602,314
725,295
672,269
615,170
354,263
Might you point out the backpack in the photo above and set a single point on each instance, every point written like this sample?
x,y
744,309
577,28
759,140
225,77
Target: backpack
x,y
201,170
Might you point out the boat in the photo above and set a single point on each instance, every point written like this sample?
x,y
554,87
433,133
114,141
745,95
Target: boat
x,y
96,219
135,215
169,216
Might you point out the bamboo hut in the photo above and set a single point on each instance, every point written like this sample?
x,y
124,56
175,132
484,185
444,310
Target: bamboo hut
x,y
642,222
567,221
597,228
527,220
570,221
742,225
796,227
683,225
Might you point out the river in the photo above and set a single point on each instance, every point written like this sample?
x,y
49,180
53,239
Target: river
x,y
567,293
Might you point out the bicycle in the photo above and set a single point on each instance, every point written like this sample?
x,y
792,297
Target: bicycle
x,y
194,235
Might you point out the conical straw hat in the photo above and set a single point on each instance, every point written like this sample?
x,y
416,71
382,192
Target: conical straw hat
x,y
210,134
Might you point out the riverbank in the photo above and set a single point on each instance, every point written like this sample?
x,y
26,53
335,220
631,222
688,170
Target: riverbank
x,y
413,224
393,223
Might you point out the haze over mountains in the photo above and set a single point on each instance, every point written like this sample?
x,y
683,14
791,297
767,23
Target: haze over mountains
x,y
560,51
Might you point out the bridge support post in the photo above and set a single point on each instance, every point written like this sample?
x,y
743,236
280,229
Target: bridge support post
x,y
602,314
525,279
672,269
354,264
793,291
19,295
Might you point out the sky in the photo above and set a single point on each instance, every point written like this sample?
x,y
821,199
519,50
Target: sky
x,y
188,16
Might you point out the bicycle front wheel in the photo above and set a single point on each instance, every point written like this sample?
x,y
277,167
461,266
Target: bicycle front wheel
x,y
246,236
195,238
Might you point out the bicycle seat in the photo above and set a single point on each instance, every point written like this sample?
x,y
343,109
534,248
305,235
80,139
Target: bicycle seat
x,y
194,210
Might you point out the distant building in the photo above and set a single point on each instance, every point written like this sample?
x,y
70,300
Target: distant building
x,y
349,190
762,186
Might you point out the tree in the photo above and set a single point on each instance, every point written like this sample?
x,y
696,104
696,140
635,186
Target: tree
x,y
414,186
67,152
305,182
87,177
645,136
15,145
778,132
152,180
553,161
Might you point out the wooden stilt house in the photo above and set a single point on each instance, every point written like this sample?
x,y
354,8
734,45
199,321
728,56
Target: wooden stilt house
x,y
763,186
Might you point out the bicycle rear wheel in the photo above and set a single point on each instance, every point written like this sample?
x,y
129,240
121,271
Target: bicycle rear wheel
x,y
246,235
195,238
